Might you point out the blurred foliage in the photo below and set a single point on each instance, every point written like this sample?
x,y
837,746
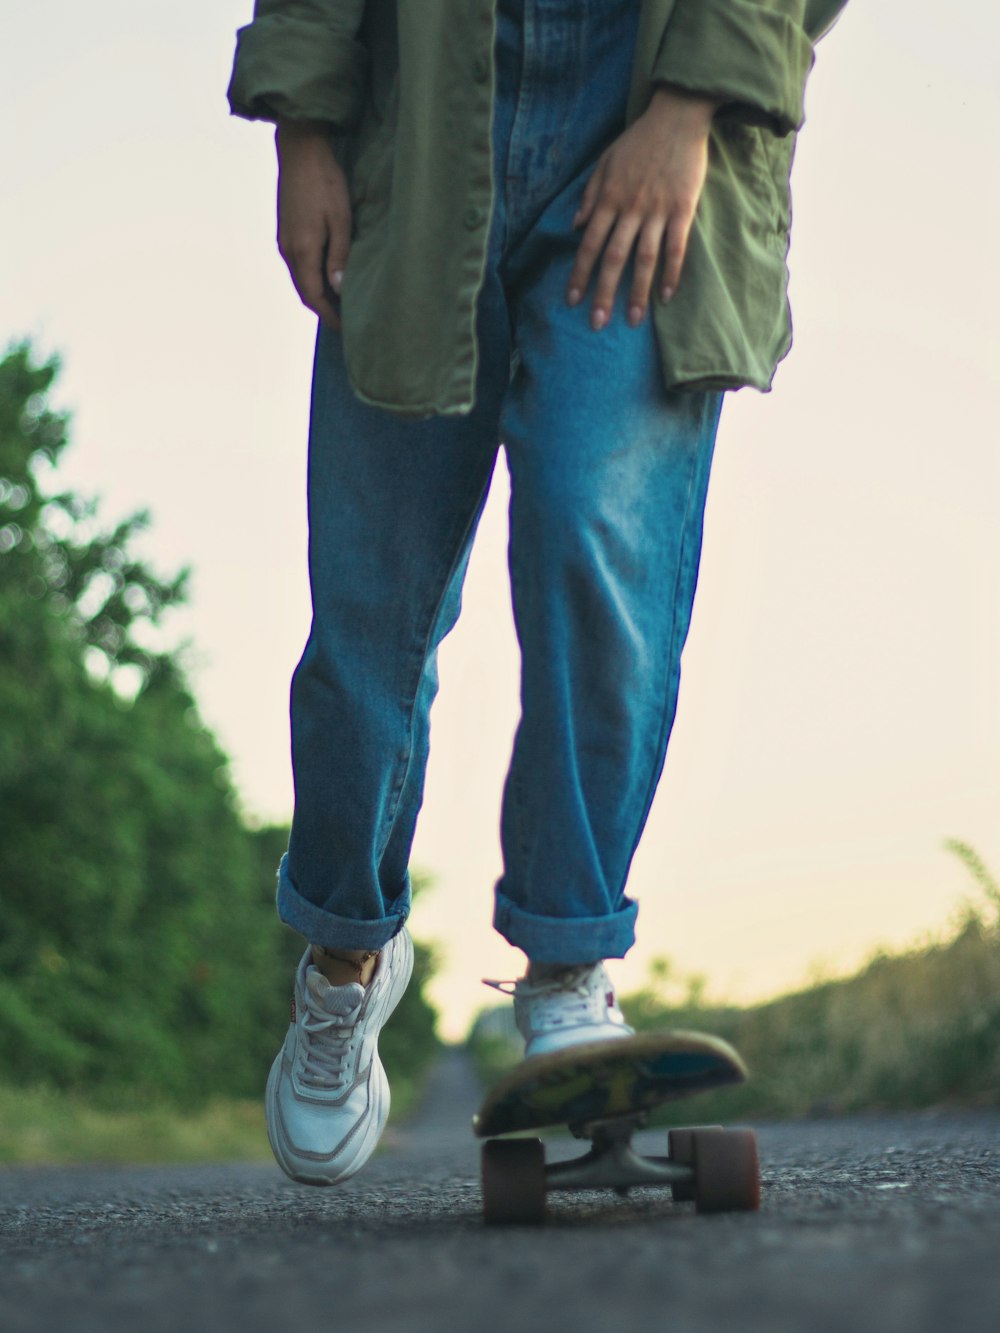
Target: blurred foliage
x,y
914,1029
138,945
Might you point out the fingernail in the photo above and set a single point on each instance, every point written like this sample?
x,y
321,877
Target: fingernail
x,y
635,314
573,296
666,293
598,320
336,279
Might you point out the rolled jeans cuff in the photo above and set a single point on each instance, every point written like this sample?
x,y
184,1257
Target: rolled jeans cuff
x,y
331,931
581,939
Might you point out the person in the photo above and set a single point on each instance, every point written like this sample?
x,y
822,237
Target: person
x,y
557,227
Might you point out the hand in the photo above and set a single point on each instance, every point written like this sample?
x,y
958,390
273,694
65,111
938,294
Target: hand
x,y
314,216
645,187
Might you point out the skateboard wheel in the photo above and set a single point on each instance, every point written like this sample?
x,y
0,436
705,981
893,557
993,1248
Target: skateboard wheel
x,y
513,1173
680,1149
726,1170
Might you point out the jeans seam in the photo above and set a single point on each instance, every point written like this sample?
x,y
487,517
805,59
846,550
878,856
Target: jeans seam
x,y
513,780
520,808
405,762
665,715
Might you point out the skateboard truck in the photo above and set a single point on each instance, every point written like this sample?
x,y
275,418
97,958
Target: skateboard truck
x,y
716,1169
612,1162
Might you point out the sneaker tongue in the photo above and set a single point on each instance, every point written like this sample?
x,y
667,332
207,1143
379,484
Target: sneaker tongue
x,y
340,1001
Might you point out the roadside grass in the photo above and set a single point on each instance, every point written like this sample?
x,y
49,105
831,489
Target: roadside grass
x,y
43,1126
914,1029
910,1030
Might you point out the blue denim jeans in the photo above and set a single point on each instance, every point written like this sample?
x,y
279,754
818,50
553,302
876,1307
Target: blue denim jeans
x,y
609,475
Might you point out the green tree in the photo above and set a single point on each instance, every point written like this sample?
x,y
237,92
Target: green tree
x,y
137,939
127,899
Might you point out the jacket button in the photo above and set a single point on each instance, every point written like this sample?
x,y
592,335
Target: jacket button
x,y
473,218
480,69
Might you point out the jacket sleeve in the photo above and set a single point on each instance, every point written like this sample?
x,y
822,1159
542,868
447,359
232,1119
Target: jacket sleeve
x,y
753,54
301,60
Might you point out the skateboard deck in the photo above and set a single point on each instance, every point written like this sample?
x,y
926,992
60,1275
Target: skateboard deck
x,y
605,1079
604,1091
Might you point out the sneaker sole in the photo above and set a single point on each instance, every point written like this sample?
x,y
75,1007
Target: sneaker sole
x,y
552,1044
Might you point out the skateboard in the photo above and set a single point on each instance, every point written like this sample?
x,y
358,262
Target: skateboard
x,y
603,1092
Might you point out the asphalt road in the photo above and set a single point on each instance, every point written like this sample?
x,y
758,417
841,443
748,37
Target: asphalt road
x,y
879,1223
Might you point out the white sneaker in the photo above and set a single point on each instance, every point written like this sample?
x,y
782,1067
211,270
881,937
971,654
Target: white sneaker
x,y
327,1095
562,1007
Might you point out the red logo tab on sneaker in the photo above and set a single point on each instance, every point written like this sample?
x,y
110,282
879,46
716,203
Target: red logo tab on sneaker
x,y
611,999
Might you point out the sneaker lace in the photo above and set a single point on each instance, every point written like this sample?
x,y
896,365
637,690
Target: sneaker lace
x,y
327,1048
570,987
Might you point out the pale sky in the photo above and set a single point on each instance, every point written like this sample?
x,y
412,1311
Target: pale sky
x,y
839,712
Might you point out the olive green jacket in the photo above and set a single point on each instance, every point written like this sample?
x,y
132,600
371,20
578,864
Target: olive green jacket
x,y
417,151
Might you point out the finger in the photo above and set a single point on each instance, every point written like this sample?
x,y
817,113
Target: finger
x,y
678,230
590,247
591,194
317,297
305,266
338,247
647,254
616,254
